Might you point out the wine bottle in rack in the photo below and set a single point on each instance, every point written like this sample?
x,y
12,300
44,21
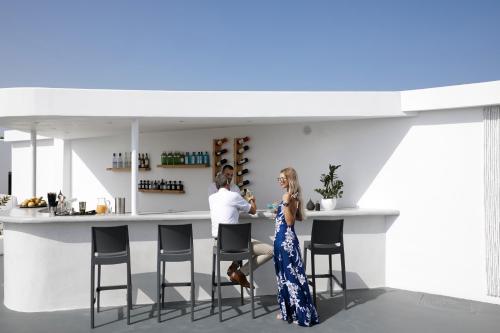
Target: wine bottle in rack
x,y
242,161
243,149
242,172
220,152
243,140
220,142
221,162
243,183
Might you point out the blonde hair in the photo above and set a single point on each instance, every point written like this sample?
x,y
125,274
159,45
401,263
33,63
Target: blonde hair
x,y
295,190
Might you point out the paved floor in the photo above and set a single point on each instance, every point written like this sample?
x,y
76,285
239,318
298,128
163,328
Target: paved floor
x,y
375,310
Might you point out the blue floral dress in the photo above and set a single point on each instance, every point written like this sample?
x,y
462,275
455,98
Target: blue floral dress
x,y
294,297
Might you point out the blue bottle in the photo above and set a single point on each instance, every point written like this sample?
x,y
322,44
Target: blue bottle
x,y
193,158
187,158
206,158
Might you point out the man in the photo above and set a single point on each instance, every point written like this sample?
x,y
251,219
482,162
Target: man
x,y
227,170
225,207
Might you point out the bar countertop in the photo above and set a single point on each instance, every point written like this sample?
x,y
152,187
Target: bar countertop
x,y
34,215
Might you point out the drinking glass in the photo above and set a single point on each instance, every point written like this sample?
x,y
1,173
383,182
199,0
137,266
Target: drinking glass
x,y
83,207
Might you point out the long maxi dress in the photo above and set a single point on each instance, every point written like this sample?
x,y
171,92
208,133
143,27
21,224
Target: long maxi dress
x,y
294,297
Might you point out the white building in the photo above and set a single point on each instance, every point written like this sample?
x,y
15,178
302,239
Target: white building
x,y
428,153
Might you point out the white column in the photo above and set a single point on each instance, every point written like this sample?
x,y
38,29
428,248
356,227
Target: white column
x,y
33,162
134,166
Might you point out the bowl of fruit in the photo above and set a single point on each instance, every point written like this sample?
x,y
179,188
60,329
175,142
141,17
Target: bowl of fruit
x,y
33,203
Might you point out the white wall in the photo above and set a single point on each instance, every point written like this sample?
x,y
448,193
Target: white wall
x,y
430,167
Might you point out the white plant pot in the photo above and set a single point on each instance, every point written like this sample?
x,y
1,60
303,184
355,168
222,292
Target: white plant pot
x,y
328,204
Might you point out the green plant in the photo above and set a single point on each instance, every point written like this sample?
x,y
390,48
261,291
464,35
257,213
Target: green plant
x,y
332,186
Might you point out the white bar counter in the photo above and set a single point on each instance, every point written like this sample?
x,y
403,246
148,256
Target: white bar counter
x,y
47,259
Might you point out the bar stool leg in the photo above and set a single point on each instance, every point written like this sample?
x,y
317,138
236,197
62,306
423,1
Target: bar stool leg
x,y
330,272
163,286
241,296
92,294
98,288
213,278
251,288
219,296
305,260
158,286
344,282
192,288
129,291
313,277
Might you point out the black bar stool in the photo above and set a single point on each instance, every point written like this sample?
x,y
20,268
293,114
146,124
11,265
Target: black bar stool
x,y
110,246
234,243
175,243
327,238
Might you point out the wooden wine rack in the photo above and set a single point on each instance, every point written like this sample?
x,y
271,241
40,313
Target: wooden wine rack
x,y
236,157
216,159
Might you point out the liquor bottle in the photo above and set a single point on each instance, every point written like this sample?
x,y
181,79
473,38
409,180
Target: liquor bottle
x,y
242,161
181,186
176,186
169,186
163,158
243,183
169,158
243,140
220,152
125,161
115,161
243,149
242,172
146,161
186,158
220,141
206,158
140,185
120,161
193,158
182,157
199,158
221,162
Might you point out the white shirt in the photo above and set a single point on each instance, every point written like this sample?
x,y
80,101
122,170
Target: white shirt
x,y
213,189
225,207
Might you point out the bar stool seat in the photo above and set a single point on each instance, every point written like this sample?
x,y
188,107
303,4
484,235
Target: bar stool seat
x,y
233,244
110,246
175,244
327,238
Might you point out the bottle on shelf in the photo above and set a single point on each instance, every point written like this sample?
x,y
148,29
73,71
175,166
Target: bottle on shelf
x,y
115,161
243,183
125,161
146,161
242,172
182,158
140,162
243,149
206,158
193,158
242,161
174,185
186,158
220,152
243,140
220,142
120,161
181,186
221,162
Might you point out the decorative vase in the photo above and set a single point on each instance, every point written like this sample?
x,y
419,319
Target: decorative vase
x,y
310,205
328,204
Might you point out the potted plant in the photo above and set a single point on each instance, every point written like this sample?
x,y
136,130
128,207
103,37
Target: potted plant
x,y
332,188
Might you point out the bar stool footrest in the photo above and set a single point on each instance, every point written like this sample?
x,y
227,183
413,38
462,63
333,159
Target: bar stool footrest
x,y
101,288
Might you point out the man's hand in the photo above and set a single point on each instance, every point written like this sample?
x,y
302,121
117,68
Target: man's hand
x,y
253,208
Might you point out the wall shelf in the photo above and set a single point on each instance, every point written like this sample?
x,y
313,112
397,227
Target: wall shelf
x,y
183,166
163,191
127,169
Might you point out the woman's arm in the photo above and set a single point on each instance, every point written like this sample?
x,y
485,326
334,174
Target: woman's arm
x,y
289,208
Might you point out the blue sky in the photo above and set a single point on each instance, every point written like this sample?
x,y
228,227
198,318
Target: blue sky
x,y
248,45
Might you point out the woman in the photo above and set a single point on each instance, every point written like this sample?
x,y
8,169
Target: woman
x,y
294,297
